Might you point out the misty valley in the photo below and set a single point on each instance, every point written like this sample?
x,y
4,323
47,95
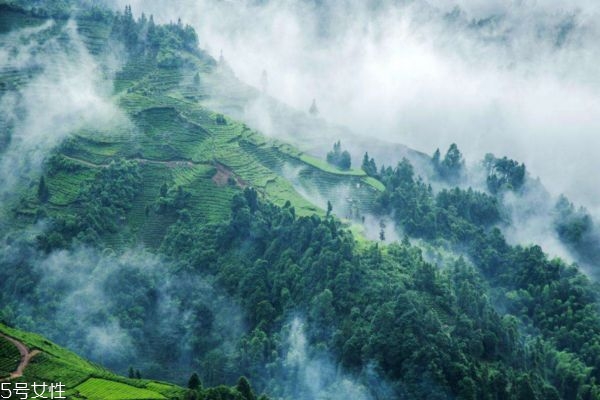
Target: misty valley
x,y
198,202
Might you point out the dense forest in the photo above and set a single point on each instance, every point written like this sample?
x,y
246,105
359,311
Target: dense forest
x,y
509,323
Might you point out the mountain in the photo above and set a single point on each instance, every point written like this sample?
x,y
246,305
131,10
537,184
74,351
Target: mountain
x,y
177,141
146,226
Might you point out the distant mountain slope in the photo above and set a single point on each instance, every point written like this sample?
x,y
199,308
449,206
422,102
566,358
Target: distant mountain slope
x,y
170,110
178,142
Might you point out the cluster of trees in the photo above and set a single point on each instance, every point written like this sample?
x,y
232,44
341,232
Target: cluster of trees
x,y
369,166
579,232
104,203
432,333
452,166
144,36
56,9
56,163
174,200
339,158
220,119
139,36
452,214
503,174
545,295
241,391
572,225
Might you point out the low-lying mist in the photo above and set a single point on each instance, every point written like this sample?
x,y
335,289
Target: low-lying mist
x,y
312,375
63,89
120,310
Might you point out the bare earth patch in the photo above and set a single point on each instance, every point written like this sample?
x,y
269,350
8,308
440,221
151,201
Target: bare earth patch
x,y
223,175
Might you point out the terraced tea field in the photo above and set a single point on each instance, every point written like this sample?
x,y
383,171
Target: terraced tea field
x,y
102,389
81,379
9,357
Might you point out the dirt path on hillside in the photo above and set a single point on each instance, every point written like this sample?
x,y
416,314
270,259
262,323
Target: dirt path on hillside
x,y
169,163
26,356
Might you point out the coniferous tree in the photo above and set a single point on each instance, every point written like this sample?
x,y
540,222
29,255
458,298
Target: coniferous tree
x,y
243,387
191,395
453,162
435,160
194,382
339,158
369,166
345,160
151,35
313,110
43,192
164,189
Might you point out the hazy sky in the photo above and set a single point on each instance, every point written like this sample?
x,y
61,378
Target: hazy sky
x,y
516,78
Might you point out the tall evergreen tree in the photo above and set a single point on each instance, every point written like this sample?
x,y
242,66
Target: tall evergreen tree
x,y
243,386
43,192
313,110
194,382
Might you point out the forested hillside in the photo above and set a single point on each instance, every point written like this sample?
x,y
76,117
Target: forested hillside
x,y
157,237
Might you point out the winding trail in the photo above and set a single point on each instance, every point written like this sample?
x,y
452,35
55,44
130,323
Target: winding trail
x,y
171,163
26,356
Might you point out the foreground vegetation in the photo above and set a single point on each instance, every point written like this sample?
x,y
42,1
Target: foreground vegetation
x,y
84,380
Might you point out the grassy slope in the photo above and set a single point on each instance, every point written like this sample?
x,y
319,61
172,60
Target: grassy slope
x,y
81,378
179,142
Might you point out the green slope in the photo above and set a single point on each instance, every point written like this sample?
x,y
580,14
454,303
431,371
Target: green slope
x,y
177,141
81,379
174,141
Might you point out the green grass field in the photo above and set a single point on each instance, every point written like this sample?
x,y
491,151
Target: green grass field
x,y
102,389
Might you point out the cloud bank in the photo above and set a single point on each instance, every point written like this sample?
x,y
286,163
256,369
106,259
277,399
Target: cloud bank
x,y
516,78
